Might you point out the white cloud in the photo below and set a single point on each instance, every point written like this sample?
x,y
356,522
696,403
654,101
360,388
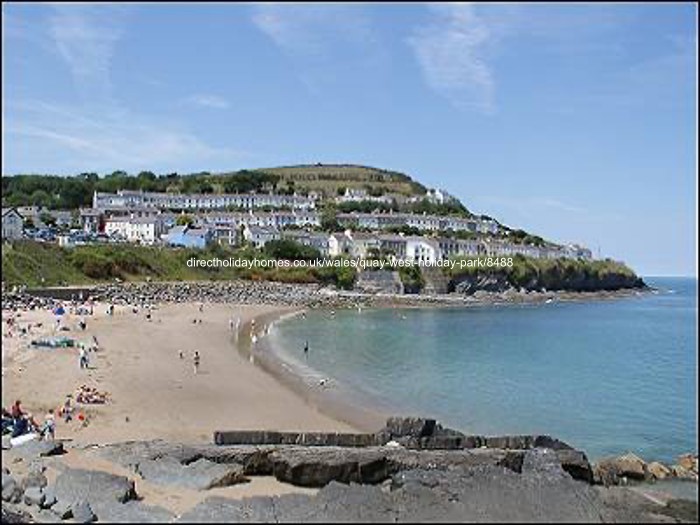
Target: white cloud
x,y
112,138
209,101
309,29
85,36
326,44
450,51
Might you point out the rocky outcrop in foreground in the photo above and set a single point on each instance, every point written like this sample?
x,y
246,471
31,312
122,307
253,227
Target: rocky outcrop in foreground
x,y
521,478
629,467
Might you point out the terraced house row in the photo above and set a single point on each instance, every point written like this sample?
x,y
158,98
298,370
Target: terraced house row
x,y
124,199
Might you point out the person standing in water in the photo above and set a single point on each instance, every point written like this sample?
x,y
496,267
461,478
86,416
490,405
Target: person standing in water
x,y
306,349
196,362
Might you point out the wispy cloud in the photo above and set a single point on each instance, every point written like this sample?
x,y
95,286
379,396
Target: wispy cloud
x,y
308,29
323,42
209,101
85,36
450,50
113,138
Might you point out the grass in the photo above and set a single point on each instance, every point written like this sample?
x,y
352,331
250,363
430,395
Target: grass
x,y
41,264
329,177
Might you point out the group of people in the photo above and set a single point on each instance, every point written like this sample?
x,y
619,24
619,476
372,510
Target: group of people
x,y
17,422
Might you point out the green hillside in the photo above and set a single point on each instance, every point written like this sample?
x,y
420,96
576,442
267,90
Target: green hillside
x,y
329,178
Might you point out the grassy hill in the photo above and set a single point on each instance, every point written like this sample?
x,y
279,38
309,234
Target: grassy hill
x,y
328,178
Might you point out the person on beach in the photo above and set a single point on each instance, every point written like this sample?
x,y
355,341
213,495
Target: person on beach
x,y
82,324
196,362
48,429
83,358
182,356
96,345
67,411
201,307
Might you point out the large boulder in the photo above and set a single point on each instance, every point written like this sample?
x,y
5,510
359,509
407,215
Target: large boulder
x,y
576,464
316,467
683,473
39,449
11,490
201,474
658,470
34,496
616,470
689,462
93,486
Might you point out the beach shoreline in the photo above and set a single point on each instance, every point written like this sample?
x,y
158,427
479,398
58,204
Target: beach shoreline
x,y
334,404
152,392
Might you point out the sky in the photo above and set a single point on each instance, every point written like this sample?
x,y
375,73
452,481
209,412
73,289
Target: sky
x,y
576,122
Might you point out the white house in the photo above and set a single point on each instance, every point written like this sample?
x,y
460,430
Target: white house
x,y
259,236
339,244
143,230
12,223
422,250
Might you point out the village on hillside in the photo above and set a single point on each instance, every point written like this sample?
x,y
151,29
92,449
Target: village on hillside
x,y
254,219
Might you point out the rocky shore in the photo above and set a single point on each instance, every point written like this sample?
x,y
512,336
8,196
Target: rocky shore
x,y
281,294
413,470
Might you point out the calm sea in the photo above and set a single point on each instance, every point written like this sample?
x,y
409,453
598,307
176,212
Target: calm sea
x,y
605,376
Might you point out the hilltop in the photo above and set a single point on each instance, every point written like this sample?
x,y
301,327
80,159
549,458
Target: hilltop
x,y
330,178
56,192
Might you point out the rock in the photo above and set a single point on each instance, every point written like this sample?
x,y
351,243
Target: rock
x,y
40,448
82,512
11,490
62,509
309,467
658,470
93,486
683,473
223,510
689,462
576,464
611,471
200,475
49,498
34,478
15,516
133,512
409,427
34,496
7,479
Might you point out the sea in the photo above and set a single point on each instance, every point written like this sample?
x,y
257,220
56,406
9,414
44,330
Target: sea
x,y
606,376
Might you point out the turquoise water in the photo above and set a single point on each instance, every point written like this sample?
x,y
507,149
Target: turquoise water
x,y
605,376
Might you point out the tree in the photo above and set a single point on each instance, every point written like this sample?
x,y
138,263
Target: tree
x,y
47,219
184,220
329,221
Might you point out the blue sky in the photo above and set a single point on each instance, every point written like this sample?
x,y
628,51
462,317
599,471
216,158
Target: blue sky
x,y
576,122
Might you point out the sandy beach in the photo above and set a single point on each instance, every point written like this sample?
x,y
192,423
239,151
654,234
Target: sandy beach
x,y
153,393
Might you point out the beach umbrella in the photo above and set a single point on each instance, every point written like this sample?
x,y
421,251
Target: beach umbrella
x,y
59,310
